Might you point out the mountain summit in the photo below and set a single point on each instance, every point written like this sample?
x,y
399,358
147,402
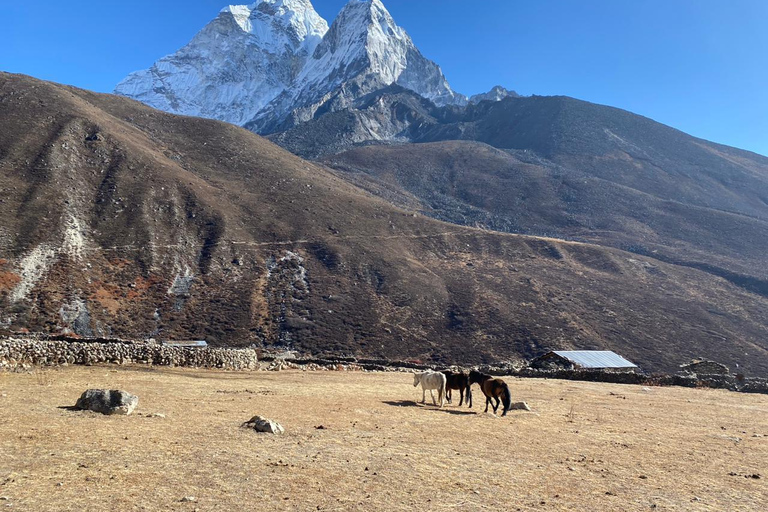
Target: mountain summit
x,y
275,63
364,51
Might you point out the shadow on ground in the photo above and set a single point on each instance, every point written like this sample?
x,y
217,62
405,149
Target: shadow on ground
x,y
411,403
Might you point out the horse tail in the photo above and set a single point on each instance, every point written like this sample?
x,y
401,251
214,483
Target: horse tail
x,y
506,398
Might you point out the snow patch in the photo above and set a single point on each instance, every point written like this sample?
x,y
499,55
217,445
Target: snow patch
x,y
241,14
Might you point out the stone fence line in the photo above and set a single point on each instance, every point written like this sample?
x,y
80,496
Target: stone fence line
x,y
20,353
26,352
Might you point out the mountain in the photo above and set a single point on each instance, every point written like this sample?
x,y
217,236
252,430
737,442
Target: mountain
x,y
117,219
497,93
235,65
275,63
364,51
556,166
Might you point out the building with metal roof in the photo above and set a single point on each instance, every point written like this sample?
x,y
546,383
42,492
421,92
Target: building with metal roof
x,y
185,343
587,359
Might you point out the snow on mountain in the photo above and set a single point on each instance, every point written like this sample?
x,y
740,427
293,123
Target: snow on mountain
x,y
235,65
275,63
364,51
498,93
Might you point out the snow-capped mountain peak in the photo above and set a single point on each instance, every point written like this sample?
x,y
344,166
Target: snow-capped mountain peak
x,y
235,65
366,27
272,21
277,61
363,51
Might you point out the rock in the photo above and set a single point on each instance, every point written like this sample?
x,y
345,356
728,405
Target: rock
x,y
108,401
188,499
522,406
261,424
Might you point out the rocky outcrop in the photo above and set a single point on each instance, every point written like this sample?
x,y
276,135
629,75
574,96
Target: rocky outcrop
x,y
108,401
22,353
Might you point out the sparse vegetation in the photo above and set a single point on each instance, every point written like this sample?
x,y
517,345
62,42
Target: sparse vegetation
x,y
375,280
358,441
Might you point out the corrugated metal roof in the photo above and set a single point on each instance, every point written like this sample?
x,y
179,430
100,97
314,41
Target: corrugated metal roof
x,y
185,343
595,358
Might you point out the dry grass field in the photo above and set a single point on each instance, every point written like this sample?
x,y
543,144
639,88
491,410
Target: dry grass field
x,y
584,446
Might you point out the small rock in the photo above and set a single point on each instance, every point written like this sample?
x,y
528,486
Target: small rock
x,y
156,415
261,424
108,401
521,406
188,499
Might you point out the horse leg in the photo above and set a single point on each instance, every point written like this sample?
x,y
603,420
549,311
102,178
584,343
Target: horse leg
x,y
448,395
469,396
461,394
496,407
423,395
487,402
432,394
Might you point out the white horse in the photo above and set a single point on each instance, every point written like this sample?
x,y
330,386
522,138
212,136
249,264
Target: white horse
x,y
430,380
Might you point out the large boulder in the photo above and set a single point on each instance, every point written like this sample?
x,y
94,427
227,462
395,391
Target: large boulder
x,y
261,424
108,401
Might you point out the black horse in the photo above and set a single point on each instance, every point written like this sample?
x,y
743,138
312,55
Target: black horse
x,y
460,381
492,388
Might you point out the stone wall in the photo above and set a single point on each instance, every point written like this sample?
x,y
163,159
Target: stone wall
x,y
27,352
705,368
35,351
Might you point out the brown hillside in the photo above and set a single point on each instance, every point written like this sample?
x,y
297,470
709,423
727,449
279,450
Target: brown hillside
x,y
517,191
121,220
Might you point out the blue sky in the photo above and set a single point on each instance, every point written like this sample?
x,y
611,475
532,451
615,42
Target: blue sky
x,y
697,65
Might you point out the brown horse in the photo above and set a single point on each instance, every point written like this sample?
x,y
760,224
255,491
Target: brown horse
x,y
460,381
492,388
